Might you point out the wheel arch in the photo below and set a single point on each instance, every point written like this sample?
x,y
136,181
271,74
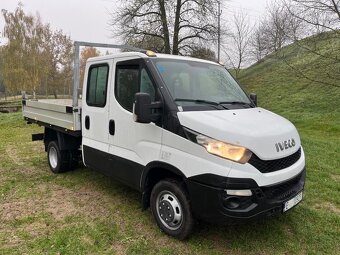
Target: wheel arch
x,y
153,173
65,141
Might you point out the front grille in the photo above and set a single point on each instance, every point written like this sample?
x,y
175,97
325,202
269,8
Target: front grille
x,y
286,189
267,166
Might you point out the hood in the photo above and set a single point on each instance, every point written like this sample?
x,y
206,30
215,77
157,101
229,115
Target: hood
x,y
266,134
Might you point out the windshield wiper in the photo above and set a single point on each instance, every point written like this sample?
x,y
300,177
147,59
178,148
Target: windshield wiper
x,y
202,101
237,102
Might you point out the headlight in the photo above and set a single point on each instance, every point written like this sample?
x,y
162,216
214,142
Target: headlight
x,y
225,150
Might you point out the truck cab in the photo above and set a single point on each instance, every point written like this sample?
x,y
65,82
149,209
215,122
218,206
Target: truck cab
x,y
184,134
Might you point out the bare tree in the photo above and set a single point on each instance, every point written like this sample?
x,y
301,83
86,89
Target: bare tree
x,y
259,46
203,53
281,28
155,44
57,49
179,24
322,21
322,15
237,47
278,29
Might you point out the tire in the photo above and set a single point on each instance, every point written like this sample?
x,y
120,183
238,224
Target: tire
x,y
171,209
59,161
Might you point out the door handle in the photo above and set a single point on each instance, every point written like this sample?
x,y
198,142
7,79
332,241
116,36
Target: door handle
x,y
112,127
87,122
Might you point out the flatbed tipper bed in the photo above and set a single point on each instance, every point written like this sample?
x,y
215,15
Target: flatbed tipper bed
x,y
53,112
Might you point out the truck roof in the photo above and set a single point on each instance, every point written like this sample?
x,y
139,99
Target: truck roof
x,y
144,55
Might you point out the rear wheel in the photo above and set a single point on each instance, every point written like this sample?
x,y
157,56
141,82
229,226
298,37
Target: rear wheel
x,y
171,209
60,160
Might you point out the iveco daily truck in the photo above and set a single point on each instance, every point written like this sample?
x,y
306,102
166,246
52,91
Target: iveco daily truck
x,y
179,130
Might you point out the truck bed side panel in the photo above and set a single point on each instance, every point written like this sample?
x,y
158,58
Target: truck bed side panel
x,y
54,113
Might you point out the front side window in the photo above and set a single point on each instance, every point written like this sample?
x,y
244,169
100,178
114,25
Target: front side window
x,y
146,84
97,85
131,79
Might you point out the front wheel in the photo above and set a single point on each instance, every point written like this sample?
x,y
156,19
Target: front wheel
x,y
171,209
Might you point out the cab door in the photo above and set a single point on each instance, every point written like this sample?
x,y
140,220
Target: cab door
x,y
95,115
134,144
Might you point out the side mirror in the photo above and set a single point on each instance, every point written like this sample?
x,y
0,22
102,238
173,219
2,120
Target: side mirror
x,y
253,98
142,108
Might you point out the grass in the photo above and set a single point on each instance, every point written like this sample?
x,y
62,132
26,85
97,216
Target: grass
x,y
83,212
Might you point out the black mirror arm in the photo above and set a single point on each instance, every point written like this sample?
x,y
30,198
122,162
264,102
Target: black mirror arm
x,y
253,98
155,117
156,105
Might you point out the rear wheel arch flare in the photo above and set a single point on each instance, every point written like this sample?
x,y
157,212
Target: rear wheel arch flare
x,y
49,136
65,141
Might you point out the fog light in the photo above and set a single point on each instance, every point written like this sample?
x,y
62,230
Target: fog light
x,y
232,202
239,192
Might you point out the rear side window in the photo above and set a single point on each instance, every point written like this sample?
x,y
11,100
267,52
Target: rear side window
x,y
97,85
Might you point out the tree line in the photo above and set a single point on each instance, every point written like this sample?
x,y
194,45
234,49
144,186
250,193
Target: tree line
x,y
38,58
34,56
190,27
285,22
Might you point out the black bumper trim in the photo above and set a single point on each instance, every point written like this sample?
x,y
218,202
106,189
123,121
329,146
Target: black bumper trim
x,y
212,204
223,182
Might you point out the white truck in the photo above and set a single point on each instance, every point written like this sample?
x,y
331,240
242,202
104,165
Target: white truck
x,y
179,130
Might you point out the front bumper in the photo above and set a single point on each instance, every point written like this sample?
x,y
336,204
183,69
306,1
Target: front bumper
x,y
212,204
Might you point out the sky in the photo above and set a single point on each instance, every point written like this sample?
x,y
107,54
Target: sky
x,y
88,20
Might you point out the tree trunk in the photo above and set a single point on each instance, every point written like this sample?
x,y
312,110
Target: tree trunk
x,y
165,27
176,28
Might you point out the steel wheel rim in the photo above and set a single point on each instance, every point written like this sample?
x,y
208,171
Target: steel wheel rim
x,y
53,157
169,210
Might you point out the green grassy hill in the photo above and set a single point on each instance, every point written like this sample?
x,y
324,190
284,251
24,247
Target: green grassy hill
x,y
281,83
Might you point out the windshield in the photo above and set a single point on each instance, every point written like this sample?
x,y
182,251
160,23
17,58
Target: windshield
x,y
198,83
